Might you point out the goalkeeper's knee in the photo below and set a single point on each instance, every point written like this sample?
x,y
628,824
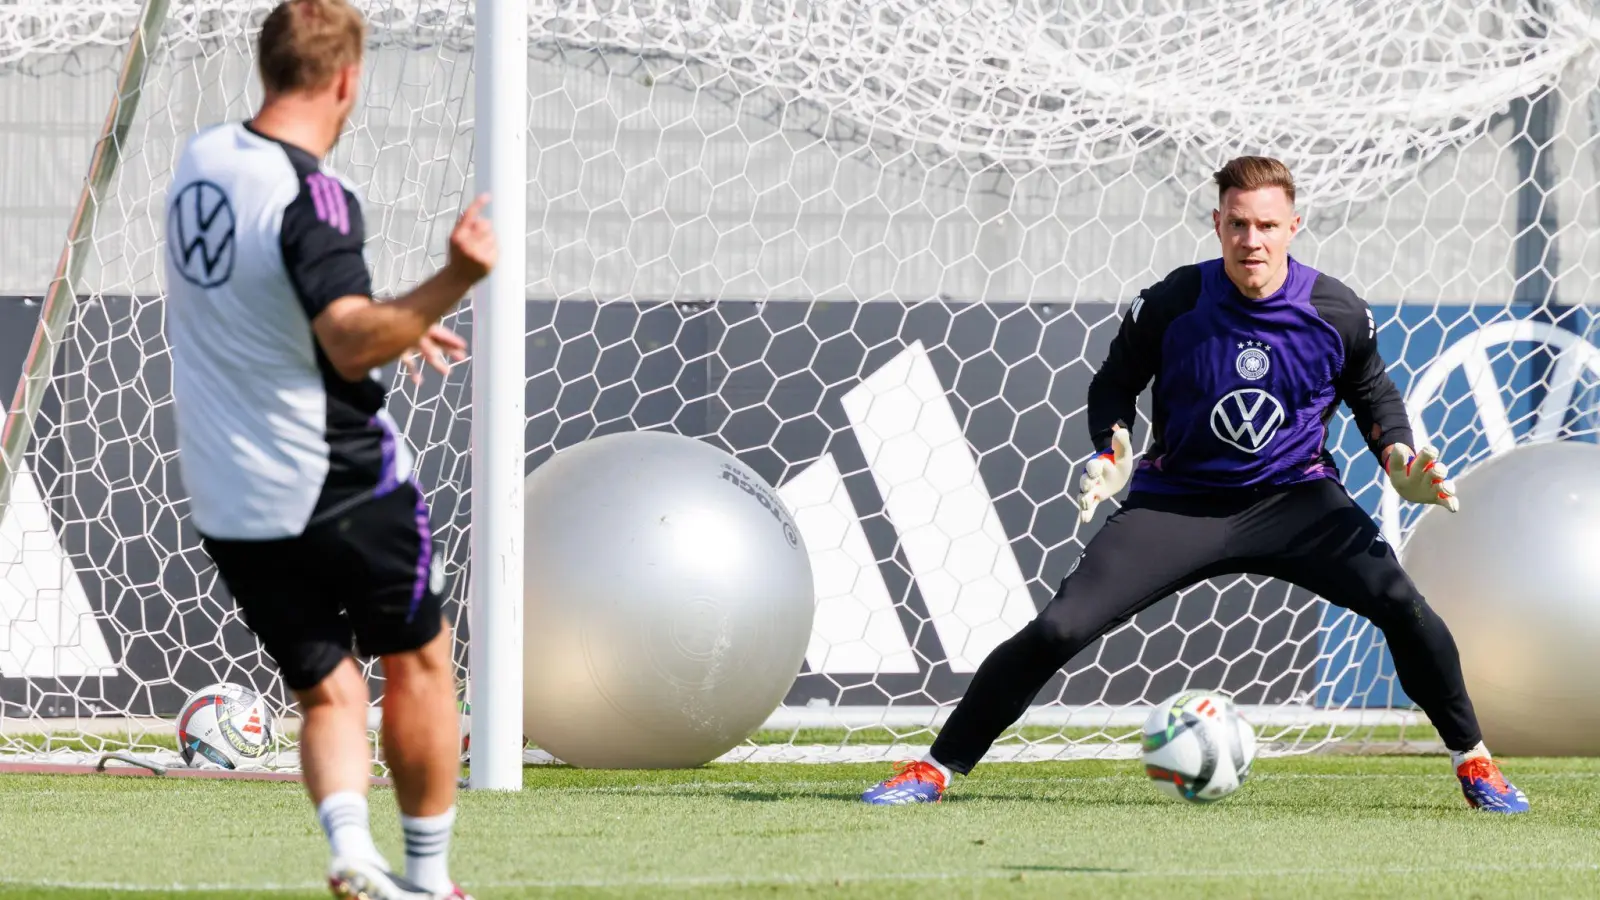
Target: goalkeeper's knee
x,y
1057,636
1403,615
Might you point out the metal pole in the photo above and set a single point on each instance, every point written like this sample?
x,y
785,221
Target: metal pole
x,y
58,301
499,352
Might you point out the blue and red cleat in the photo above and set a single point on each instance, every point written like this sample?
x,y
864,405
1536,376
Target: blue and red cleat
x,y
1486,789
912,782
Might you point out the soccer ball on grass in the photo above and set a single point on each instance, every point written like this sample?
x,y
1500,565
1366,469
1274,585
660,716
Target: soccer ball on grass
x,y
1197,747
225,726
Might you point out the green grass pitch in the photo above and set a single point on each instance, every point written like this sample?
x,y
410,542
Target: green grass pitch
x,y
1322,826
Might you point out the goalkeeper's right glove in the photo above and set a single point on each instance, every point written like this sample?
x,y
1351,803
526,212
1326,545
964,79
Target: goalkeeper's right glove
x,y
1106,473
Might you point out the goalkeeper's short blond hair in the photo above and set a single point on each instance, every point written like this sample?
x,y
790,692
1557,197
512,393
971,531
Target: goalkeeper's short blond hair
x,y
304,43
1249,173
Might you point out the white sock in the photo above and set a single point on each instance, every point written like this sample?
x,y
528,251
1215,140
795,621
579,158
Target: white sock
x,y
427,843
928,758
344,821
1458,757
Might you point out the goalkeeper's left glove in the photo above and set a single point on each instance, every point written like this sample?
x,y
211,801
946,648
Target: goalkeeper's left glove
x,y
1420,477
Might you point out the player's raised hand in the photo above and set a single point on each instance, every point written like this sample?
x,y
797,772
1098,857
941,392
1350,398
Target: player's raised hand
x,y
1420,477
435,349
473,249
1105,474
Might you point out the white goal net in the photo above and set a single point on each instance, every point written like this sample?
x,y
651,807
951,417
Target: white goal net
x,y
874,247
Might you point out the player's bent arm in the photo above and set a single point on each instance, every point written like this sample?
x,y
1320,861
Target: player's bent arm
x,y
1364,385
329,271
1380,411
358,334
1128,367
1131,362
1113,397
1134,356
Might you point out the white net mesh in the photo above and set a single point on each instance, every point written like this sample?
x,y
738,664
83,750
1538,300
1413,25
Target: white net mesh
x,y
874,248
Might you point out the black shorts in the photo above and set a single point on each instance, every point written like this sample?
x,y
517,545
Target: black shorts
x,y
362,581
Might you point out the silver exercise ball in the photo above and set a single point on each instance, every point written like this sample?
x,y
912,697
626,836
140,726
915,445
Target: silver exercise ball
x,y
1516,576
668,602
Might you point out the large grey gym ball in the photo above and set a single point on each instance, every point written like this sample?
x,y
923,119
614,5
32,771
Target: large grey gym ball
x,y
1516,576
668,602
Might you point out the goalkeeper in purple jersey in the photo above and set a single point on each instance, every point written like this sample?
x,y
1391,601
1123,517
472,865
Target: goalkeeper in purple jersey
x,y
1248,356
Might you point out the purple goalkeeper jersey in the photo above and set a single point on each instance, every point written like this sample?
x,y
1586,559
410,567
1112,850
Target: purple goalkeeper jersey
x,y
1242,390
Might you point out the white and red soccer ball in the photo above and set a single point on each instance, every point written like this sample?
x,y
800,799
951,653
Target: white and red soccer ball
x,y
1197,747
225,726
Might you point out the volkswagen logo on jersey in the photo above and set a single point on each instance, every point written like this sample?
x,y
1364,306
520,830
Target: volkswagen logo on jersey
x,y
200,234
1247,418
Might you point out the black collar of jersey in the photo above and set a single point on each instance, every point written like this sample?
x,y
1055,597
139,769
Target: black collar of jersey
x,y
249,126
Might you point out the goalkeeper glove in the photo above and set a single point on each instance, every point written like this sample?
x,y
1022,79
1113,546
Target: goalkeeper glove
x,y
1420,477
1105,474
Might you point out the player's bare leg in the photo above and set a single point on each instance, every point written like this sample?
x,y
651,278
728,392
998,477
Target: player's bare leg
x,y
422,745
337,761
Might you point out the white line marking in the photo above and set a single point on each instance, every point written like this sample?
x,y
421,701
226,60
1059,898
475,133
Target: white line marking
x,y
988,874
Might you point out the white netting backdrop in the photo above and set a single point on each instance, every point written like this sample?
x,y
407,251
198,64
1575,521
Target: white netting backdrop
x,y
876,248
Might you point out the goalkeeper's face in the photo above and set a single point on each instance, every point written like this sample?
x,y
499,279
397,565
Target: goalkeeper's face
x,y
1255,228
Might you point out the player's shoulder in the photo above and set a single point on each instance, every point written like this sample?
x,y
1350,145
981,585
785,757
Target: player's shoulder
x,y
303,170
313,173
313,196
1328,291
246,166
1338,304
1170,297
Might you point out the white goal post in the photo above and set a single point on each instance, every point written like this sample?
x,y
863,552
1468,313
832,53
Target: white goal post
x,y
874,247
498,451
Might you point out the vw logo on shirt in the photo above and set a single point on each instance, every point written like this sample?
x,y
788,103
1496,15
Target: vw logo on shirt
x,y
1247,418
200,234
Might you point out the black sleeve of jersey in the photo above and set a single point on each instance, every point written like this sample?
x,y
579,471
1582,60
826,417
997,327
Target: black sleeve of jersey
x,y
321,241
1135,353
1364,383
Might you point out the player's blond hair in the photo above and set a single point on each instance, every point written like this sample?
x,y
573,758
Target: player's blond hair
x,y
1249,173
304,43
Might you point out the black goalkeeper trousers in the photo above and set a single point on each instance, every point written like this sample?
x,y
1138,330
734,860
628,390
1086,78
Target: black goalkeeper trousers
x,y
1312,535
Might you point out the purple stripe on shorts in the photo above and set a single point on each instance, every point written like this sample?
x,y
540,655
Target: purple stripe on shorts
x,y
424,556
388,475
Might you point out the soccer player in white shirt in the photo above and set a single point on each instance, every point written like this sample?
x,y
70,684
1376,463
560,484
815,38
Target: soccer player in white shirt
x,y
299,485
